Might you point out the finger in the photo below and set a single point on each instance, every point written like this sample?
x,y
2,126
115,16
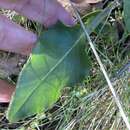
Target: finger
x,y
65,16
14,38
43,11
87,1
53,11
77,1
6,91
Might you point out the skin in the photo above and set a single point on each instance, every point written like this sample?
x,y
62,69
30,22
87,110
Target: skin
x,y
6,91
14,38
46,12
77,1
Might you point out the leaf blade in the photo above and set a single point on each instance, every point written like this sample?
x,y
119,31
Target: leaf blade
x,y
28,109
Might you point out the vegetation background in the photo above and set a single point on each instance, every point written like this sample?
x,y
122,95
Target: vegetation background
x,y
90,105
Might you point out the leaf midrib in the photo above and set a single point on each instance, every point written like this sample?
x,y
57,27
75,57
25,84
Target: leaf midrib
x,y
50,71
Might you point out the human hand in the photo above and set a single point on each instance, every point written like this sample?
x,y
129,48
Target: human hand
x,y
14,38
46,12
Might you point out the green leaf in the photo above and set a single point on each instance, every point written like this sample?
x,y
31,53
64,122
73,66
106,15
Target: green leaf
x,y
58,60
127,14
